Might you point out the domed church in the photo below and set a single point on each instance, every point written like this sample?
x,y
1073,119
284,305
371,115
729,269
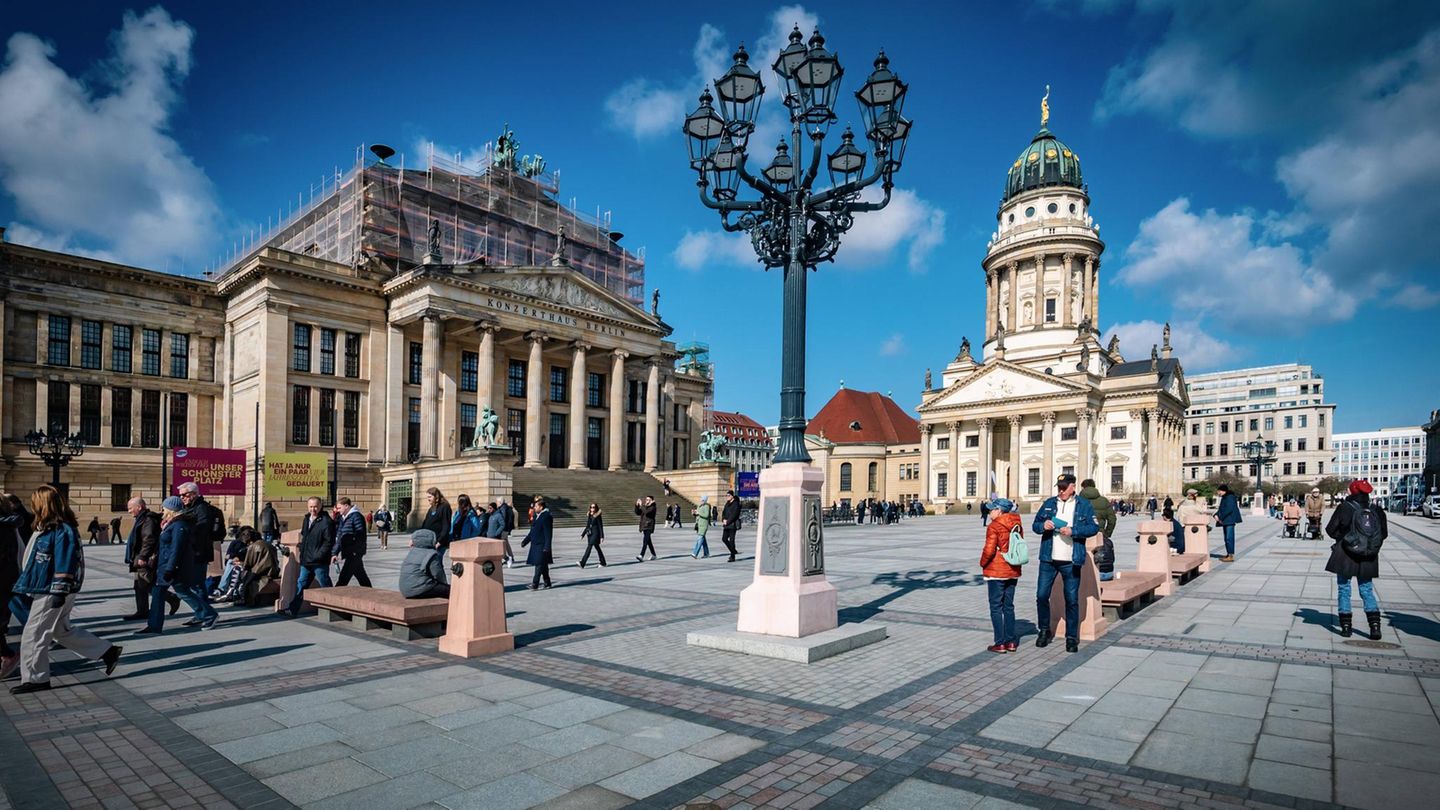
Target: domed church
x,y
1044,397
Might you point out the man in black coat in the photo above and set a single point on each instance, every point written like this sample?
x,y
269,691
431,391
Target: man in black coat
x,y
1347,564
141,550
730,522
317,547
350,541
645,510
209,528
542,530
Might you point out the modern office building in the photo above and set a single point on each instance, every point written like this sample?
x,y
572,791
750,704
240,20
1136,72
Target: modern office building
x,y
1284,403
1380,456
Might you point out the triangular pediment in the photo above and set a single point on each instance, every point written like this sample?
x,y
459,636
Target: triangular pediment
x,y
999,381
565,288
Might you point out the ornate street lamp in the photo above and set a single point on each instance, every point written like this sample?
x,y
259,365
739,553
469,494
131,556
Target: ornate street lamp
x,y
1259,452
55,449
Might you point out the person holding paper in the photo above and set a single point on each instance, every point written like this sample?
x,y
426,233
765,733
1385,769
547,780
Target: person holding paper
x,y
1063,521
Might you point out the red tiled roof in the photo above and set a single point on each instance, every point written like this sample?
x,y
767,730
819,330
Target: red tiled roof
x,y
734,425
880,419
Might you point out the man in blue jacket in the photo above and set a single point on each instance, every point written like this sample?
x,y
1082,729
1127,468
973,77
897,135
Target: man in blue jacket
x,y
1227,515
1063,522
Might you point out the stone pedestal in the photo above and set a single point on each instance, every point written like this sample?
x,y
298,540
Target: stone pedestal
x,y
289,570
1093,623
1155,553
790,595
1197,538
475,625
702,478
1257,503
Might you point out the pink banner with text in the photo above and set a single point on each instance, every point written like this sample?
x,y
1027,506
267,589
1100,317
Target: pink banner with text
x,y
215,471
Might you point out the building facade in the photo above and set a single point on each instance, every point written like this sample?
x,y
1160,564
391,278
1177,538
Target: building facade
x,y
750,445
1045,397
1432,452
868,447
1380,456
1284,403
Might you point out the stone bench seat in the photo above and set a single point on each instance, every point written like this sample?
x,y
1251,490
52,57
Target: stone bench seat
x,y
1185,567
371,608
1130,590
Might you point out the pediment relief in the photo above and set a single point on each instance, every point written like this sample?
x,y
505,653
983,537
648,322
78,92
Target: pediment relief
x,y
1032,459
556,288
1117,458
1070,457
998,382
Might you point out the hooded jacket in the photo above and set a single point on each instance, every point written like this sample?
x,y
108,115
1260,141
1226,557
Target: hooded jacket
x,y
1104,511
997,542
421,570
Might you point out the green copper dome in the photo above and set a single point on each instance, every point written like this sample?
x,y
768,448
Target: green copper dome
x,y
1045,162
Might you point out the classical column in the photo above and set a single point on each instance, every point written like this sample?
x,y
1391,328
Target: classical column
x,y
992,293
1014,485
1082,468
953,477
1047,473
1040,290
925,431
617,409
577,406
652,416
534,400
1092,288
430,386
1065,318
485,370
987,461
1013,297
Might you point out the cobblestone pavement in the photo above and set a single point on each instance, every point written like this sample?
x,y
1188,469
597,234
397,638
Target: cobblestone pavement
x,y
1234,692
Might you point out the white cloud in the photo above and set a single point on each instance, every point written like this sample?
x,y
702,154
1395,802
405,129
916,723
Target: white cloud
x,y
1211,264
91,165
893,345
1414,296
1195,348
697,249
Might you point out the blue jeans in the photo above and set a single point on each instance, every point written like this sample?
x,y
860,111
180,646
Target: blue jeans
x,y
1069,574
192,595
318,573
1367,594
702,548
1229,539
232,571
1002,609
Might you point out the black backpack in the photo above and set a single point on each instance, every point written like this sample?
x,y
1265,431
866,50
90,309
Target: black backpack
x,y
1365,535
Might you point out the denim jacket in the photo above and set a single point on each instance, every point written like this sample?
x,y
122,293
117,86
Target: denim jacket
x,y
1084,526
54,563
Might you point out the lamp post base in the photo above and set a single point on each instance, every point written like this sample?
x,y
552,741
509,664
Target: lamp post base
x,y
790,595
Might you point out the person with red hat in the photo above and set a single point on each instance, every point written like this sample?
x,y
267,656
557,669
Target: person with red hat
x,y
1358,528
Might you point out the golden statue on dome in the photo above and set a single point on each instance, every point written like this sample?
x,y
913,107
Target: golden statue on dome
x,y
1045,108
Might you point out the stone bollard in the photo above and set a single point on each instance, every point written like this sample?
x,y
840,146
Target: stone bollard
x,y
475,625
1197,538
289,569
1155,553
1093,623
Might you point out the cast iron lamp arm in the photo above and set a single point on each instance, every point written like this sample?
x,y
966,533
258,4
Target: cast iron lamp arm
x,y
846,189
760,185
817,138
725,205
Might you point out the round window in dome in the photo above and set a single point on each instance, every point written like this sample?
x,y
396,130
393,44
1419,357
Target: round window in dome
x,y
1052,208
1030,212
1034,156
1050,153
1072,208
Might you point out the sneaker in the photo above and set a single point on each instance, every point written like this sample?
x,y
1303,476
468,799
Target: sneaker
x,y
209,623
148,630
111,658
26,688
998,648
8,665
639,559
1011,646
193,623
604,565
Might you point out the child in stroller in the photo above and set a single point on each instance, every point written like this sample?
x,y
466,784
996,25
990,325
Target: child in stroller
x,y
1292,518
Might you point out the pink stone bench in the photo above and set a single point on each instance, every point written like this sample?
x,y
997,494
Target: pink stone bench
x,y
371,608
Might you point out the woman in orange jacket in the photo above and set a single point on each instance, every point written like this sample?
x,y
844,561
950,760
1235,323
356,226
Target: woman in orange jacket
x,y
1000,576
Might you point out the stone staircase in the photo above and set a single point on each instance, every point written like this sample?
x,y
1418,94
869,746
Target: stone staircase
x,y
569,494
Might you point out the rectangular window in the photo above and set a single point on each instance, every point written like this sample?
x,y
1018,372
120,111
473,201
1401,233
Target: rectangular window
x,y
942,443
1304,420
179,356
90,337
972,440
942,485
1321,468
1224,449
635,399
417,363
1320,443
300,415
57,408
1032,480
1117,478
559,384
120,417
1269,423
1289,445
1194,428
595,391
1300,468
1117,432
515,429
1209,428
1034,436
1049,310
412,429
1068,469
179,420
90,414
59,340
1194,451
467,424
1209,450
327,417
149,418
1287,468
1322,420
1239,425
300,352
1300,445
1068,434
352,418
469,372
352,354
150,352
119,497
970,484
515,379
845,477
327,351
1254,424
121,339
1224,427
1289,422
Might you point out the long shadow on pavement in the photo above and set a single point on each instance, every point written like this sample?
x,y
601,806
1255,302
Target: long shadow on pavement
x,y
904,584
547,633
1319,618
1412,625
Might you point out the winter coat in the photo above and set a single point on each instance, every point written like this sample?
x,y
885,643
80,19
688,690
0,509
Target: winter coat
x,y
1314,504
542,530
495,523
595,528
1228,513
421,570
731,514
142,544
351,536
54,563
704,513
997,542
1104,512
382,519
1292,512
269,521
1342,562
467,525
647,517
177,563
10,550
438,521
1084,526
1188,507
317,540
261,568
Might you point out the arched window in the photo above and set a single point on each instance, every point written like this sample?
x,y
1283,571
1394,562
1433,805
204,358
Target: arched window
x,y
845,477
874,477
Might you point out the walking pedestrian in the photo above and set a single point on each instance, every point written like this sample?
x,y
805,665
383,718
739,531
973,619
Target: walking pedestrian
x,y
115,531
508,512
594,535
645,510
350,542
468,523
1065,520
541,534
141,550
317,547
209,523
437,517
11,546
1227,515
1358,528
730,522
985,513
178,566
1001,577
383,520
52,574
704,513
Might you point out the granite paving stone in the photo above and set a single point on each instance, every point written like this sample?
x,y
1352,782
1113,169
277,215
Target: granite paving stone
x,y
1200,757
324,780
513,792
653,776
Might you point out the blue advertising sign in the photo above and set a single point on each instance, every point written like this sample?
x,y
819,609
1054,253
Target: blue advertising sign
x,y
747,485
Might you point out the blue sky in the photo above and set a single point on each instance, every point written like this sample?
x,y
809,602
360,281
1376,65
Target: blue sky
x,y
1264,173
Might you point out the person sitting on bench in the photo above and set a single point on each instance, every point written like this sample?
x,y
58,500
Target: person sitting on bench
x,y
421,574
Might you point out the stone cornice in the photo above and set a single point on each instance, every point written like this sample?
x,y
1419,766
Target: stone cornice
x,y
274,261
